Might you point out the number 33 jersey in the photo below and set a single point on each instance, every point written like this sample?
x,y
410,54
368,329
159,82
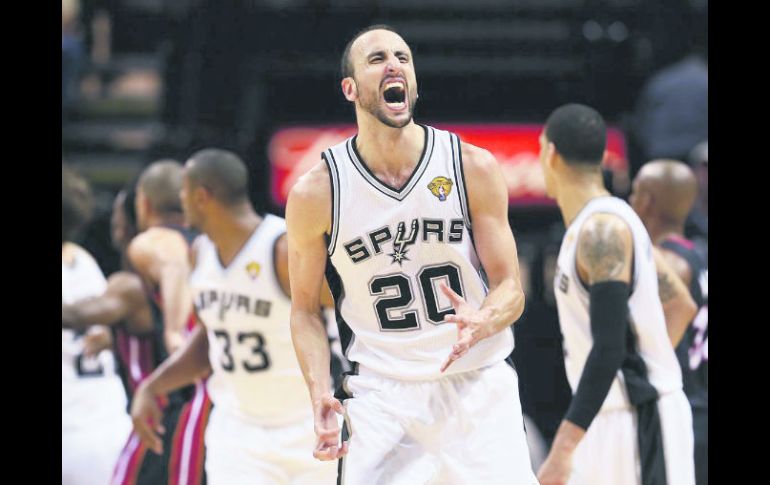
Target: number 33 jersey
x,y
389,251
246,313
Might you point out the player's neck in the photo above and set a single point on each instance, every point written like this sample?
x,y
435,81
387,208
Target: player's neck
x,y
171,219
661,230
386,149
580,190
231,230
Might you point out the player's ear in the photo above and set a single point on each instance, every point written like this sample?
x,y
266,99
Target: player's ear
x,y
644,202
551,155
349,89
201,195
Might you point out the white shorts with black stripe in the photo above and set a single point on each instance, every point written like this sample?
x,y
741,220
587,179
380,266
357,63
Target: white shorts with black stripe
x,y
460,429
239,452
608,454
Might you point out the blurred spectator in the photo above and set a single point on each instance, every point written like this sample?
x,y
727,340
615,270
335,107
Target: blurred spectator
x,y
72,53
672,113
697,224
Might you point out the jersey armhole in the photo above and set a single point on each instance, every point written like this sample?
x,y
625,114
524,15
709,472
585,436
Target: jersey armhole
x,y
334,178
457,161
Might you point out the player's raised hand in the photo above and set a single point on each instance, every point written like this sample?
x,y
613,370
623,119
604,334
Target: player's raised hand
x,y
471,325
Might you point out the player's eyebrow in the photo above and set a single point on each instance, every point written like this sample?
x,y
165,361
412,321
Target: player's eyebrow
x,y
380,52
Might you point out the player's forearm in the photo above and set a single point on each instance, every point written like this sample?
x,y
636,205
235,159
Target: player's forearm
x,y
567,438
183,367
85,314
311,344
503,305
71,319
599,373
608,310
177,304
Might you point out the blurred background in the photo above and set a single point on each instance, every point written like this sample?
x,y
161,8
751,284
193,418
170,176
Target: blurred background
x,y
150,79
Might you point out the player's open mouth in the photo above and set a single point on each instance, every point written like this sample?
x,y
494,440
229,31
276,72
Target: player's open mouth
x,y
395,95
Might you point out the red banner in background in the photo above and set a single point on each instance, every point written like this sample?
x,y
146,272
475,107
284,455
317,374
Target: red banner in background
x,y
293,151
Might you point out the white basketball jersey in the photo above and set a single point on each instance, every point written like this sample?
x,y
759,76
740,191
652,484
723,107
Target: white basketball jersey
x,y
646,316
256,375
390,250
91,388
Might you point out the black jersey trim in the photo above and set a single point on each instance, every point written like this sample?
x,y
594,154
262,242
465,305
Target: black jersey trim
x,y
334,177
457,160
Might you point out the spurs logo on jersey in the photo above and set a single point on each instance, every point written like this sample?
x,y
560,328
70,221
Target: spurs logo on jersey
x,y
238,302
433,231
391,249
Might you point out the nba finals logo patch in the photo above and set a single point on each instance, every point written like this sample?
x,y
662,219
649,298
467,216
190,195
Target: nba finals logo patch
x,y
253,269
440,187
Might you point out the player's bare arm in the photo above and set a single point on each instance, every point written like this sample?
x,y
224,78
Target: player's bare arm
x,y
604,262
496,247
678,305
281,258
122,301
308,218
189,363
160,256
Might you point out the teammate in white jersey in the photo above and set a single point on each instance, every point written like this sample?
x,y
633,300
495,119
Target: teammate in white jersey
x,y
629,421
94,419
404,219
261,425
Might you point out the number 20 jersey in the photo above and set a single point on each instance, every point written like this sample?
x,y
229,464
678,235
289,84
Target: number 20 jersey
x,y
389,251
256,376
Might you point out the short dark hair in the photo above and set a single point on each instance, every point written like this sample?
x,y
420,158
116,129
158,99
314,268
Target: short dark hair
x,y
579,134
222,172
161,183
77,202
346,66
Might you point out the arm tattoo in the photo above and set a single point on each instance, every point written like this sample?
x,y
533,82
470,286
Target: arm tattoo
x,y
666,289
603,251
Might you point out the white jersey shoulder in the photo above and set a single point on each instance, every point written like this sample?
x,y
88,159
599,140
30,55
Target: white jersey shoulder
x,y
246,314
390,249
91,389
645,310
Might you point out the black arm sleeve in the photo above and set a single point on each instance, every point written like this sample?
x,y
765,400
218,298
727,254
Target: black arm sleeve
x,y
609,323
